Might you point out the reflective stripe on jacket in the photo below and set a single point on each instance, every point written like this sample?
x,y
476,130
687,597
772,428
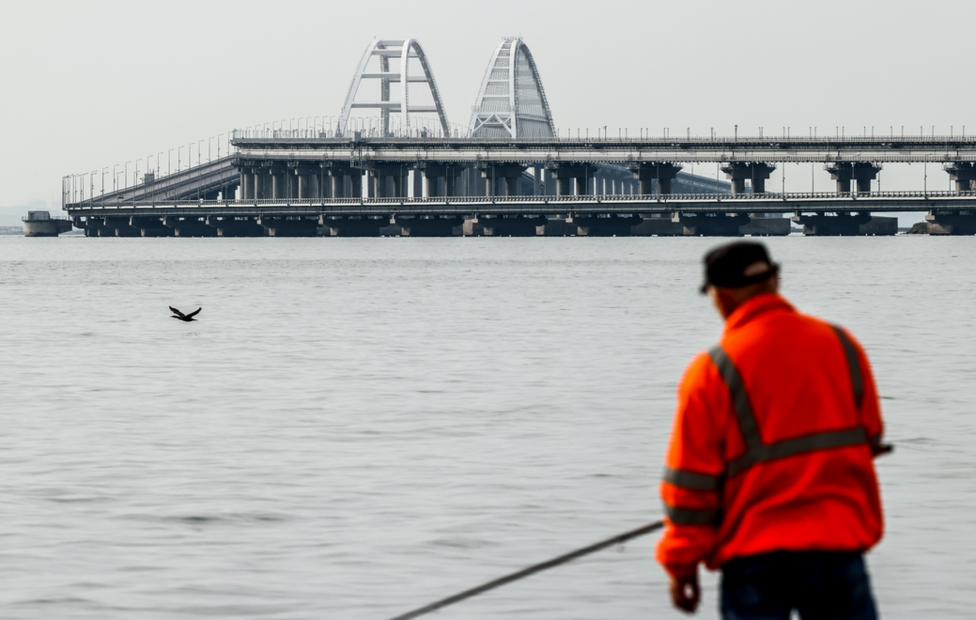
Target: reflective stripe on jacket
x,y
772,443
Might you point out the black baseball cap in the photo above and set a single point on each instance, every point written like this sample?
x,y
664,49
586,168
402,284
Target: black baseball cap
x,y
726,265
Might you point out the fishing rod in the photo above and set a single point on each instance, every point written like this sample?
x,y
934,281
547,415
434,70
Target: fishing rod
x,y
535,568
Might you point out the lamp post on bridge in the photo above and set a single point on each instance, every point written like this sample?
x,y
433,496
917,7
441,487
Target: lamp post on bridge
x,y
115,176
218,145
199,148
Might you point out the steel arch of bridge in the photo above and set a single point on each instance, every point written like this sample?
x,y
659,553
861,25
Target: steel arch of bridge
x,y
503,70
404,50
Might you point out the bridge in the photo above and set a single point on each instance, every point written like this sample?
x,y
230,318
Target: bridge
x,y
405,175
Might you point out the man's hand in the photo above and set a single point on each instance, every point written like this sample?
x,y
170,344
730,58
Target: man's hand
x,y
685,593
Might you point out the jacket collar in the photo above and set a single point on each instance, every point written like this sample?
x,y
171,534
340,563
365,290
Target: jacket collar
x,y
754,307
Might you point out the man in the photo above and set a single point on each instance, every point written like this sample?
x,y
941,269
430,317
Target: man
x,y
769,473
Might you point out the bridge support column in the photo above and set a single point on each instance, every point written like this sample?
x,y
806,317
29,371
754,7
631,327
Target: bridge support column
x,y
612,226
301,177
121,227
505,176
150,227
951,222
289,226
354,226
428,226
337,181
258,177
247,185
964,175
278,179
862,173
188,226
418,182
712,224
314,191
505,225
840,225
662,172
388,180
230,226
756,172
433,173
563,173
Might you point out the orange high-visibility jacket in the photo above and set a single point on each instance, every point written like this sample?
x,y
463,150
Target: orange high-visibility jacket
x,y
772,443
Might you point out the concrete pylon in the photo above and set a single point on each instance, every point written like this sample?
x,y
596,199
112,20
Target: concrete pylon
x,y
951,222
756,172
663,172
862,173
563,173
503,179
964,175
840,225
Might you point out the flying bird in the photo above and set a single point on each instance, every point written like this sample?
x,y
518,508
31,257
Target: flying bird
x,y
184,317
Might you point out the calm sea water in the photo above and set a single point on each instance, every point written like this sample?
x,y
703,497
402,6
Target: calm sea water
x,y
355,427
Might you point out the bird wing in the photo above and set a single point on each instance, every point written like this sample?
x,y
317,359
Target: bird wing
x,y
177,312
194,313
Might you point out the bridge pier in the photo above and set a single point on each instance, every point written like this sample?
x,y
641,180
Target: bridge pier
x,y
150,227
951,222
657,226
247,184
840,225
964,175
662,172
432,177
612,226
288,226
427,226
712,224
121,227
502,179
756,172
302,175
862,173
505,226
365,226
564,173
278,180
389,180
259,176
188,226
229,226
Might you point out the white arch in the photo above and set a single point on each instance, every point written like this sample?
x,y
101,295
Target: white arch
x,y
490,117
404,50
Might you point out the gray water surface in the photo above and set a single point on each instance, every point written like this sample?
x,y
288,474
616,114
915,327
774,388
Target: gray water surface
x,y
355,427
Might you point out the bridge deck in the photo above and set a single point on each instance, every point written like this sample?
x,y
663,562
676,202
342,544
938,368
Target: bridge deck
x,y
772,149
816,202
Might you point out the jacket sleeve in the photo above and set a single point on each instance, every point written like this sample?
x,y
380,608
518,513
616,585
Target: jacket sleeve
x,y
694,465
870,405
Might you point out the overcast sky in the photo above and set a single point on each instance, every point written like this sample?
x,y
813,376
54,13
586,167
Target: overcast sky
x,y
91,84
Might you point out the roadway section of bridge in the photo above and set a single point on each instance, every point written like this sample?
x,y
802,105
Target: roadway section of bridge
x,y
706,214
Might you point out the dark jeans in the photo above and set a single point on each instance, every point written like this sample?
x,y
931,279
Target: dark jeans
x,y
821,585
